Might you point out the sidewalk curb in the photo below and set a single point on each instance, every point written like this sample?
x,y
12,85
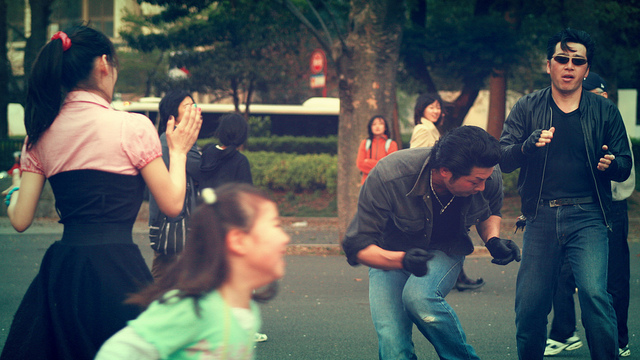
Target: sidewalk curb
x,y
336,249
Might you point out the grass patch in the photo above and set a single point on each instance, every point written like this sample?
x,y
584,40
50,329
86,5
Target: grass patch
x,y
318,203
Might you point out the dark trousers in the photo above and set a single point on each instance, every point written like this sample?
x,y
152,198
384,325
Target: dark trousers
x,y
618,276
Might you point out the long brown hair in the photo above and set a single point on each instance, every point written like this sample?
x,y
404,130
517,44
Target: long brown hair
x,y
203,265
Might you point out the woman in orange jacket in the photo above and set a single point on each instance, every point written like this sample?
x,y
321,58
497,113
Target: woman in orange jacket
x,y
376,146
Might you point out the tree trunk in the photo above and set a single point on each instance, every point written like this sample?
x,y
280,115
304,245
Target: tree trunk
x,y
461,105
40,12
497,102
367,69
5,71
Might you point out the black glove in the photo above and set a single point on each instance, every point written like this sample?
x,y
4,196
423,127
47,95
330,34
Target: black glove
x,y
503,251
529,145
415,261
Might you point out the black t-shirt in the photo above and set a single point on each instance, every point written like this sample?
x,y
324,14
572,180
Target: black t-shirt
x,y
445,234
567,173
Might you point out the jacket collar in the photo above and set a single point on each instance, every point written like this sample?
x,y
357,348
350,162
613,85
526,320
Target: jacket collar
x,y
420,187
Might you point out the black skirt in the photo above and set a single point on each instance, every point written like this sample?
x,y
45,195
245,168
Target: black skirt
x,y
75,303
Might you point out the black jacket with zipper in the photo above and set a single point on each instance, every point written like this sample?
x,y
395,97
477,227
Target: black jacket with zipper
x,y
601,125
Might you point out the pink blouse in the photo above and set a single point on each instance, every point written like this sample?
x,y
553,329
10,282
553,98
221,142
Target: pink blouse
x,y
90,135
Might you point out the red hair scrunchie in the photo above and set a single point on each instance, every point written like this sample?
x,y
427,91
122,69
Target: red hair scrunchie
x,y
66,42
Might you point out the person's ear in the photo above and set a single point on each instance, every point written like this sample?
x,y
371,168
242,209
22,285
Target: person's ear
x,y
238,242
445,173
548,66
105,65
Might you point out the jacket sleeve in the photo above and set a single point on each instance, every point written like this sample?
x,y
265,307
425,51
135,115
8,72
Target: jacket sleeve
x,y
363,162
423,136
193,163
165,149
513,136
370,219
244,172
617,141
393,147
495,193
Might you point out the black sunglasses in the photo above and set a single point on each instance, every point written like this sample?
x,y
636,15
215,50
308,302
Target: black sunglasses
x,y
561,59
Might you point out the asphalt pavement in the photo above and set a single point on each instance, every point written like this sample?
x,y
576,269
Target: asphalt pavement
x,y
322,309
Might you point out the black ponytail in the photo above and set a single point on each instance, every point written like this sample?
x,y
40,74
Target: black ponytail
x,y
56,72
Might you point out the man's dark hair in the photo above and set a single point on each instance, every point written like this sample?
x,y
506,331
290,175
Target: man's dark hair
x,y
169,105
463,148
233,130
575,36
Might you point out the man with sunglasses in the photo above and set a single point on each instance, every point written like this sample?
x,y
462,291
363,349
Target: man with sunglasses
x,y
562,336
569,145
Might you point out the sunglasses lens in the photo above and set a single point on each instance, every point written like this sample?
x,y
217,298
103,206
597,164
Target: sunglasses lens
x,y
564,59
579,62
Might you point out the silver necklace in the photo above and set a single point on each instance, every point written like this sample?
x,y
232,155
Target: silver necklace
x,y
442,207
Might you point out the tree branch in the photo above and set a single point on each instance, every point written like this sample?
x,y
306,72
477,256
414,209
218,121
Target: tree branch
x,y
296,12
324,26
18,31
332,17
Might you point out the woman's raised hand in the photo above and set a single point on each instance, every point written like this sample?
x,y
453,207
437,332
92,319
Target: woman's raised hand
x,y
181,137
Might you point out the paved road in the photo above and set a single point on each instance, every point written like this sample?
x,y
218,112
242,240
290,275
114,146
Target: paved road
x,y
322,310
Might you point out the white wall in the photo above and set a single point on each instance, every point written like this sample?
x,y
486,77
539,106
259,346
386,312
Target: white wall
x,y
16,120
628,105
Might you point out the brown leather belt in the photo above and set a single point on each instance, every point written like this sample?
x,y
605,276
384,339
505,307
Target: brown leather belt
x,y
567,201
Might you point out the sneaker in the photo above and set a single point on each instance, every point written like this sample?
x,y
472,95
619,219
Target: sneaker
x,y
469,284
260,337
625,351
555,347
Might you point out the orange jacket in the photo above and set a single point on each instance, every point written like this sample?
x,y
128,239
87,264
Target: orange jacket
x,y
367,159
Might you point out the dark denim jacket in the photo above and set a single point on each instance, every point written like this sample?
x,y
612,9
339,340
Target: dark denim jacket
x,y
394,207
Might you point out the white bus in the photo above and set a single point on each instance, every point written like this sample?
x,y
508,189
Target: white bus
x,y
315,117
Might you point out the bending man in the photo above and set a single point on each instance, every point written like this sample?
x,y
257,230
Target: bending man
x,y
411,228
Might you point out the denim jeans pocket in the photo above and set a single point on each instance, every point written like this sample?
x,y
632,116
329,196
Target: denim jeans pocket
x,y
590,207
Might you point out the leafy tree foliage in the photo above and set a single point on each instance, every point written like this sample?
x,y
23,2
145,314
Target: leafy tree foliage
x,y
614,25
5,71
229,47
456,46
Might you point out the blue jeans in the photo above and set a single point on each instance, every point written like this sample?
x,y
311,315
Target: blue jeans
x,y
578,234
564,311
398,300
618,276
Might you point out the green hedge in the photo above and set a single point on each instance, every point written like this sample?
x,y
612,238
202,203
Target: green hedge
x,y
287,144
292,172
294,144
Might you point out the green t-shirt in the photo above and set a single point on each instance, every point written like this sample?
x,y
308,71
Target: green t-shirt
x,y
175,330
